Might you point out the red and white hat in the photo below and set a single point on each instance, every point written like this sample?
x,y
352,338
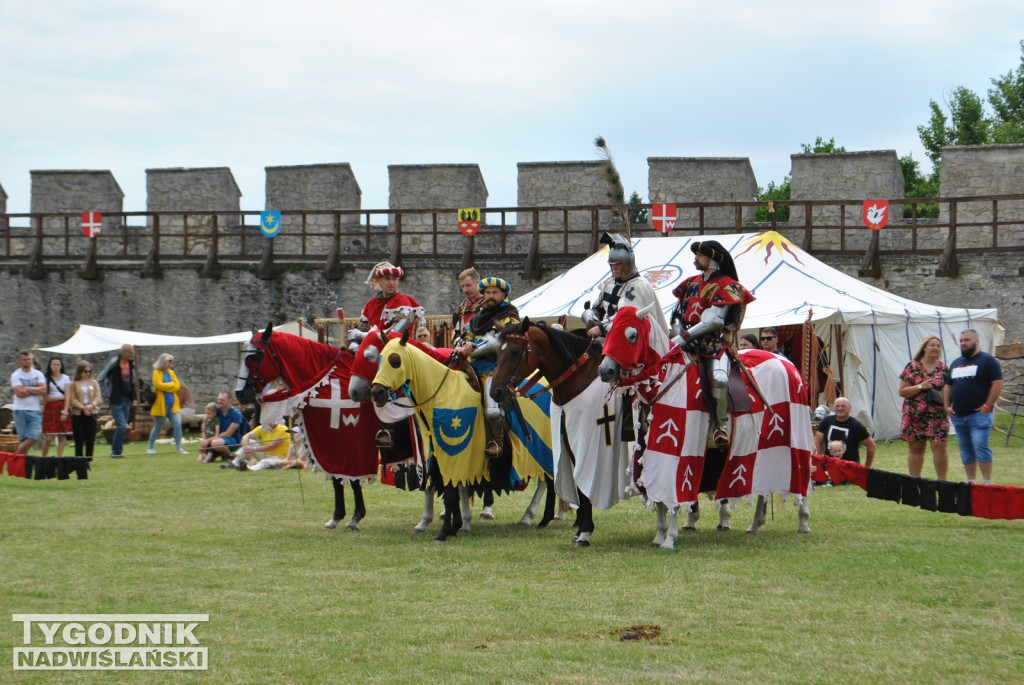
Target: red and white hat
x,y
383,269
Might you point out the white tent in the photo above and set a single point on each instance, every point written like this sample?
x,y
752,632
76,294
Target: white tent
x,y
877,332
96,339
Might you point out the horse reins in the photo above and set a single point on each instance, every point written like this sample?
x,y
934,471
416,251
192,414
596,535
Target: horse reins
x,y
534,378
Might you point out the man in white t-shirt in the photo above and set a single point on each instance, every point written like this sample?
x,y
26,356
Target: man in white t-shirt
x,y
29,386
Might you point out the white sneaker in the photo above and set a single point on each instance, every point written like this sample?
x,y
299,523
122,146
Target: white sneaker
x,y
182,451
150,451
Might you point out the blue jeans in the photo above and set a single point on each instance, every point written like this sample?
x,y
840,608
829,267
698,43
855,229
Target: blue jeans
x,y
28,423
120,412
972,433
158,424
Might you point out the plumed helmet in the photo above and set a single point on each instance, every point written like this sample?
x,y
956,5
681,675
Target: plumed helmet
x,y
383,269
717,253
495,282
620,251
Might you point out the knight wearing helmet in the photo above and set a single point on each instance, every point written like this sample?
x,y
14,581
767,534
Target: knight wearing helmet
x,y
479,342
624,288
711,305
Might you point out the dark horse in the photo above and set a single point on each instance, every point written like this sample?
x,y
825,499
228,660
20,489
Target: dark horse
x,y
569,363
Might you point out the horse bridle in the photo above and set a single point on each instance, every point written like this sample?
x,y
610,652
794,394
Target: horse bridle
x,y
535,376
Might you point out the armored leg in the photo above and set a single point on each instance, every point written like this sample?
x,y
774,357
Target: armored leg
x,y
720,436
495,419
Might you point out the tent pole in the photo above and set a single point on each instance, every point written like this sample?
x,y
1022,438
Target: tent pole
x,y
842,360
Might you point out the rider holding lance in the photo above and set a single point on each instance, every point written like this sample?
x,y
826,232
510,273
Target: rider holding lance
x,y
624,288
711,305
479,342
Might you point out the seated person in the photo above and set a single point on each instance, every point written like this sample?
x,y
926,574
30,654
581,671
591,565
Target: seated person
x,y
270,443
231,425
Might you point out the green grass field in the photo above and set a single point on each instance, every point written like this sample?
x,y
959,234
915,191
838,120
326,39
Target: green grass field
x,y
878,592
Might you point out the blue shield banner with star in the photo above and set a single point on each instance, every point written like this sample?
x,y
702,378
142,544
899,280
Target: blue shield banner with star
x,y
453,429
270,223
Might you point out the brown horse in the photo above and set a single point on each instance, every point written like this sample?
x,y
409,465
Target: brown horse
x,y
590,460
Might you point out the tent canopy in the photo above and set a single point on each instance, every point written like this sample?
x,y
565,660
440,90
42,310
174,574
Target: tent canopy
x,y
96,339
877,331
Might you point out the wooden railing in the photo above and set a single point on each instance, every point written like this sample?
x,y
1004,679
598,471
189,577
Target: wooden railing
x,y
527,236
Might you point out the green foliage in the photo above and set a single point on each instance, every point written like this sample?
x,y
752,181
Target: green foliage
x,y
636,216
919,185
773,193
820,147
878,592
1007,101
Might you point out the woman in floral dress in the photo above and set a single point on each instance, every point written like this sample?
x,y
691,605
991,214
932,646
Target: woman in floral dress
x,y
923,422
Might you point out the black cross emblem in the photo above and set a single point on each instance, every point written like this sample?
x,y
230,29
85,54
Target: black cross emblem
x,y
606,421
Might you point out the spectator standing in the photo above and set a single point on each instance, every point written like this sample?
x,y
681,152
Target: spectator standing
x,y
972,387
924,423
119,382
848,430
28,384
83,402
166,406
770,341
56,420
749,341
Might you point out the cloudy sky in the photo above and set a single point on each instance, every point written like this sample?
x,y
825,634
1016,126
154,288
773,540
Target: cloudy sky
x,y
129,85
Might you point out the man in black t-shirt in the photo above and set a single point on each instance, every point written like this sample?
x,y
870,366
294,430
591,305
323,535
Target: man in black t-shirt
x,y
843,427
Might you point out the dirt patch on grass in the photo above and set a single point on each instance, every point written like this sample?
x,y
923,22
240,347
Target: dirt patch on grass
x,y
640,631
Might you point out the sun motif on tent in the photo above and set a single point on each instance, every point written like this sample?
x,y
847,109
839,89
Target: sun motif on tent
x,y
767,241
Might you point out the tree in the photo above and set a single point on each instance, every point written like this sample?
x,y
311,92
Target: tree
x,y
1007,101
820,147
773,193
917,184
636,216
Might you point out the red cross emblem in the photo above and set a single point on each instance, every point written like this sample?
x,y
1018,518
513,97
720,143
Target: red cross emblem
x,y
92,222
663,217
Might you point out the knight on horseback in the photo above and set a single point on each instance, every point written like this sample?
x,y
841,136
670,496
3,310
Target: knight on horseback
x,y
383,310
479,343
711,306
624,288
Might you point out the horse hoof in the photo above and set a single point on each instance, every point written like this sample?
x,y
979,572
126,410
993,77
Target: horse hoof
x,y
721,527
667,545
352,525
544,523
422,526
692,529
581,543
332,524
486,514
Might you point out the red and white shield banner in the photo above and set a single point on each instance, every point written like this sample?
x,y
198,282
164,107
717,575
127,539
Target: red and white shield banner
x,y
876,213
469,221
92,222
663,217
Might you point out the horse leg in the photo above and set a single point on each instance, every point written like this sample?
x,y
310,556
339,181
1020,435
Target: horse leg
x,y
360,512
467,512
661,525
760,510
585,517
428,510
563,509
487,513
673,529
531,508
724,515
804,516
549,504
452,516
692,517
339,504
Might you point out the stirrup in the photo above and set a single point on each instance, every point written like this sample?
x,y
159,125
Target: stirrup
x,y
493,450
383,440
720,438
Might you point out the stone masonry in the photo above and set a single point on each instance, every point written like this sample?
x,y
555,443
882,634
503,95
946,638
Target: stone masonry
x,y
324,187
77,191
984,170
436,186
561,184
677,180
856,176
195,190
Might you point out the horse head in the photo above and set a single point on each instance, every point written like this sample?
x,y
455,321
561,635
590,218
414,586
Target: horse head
x,y
394,371
514,363
627,345
364,366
